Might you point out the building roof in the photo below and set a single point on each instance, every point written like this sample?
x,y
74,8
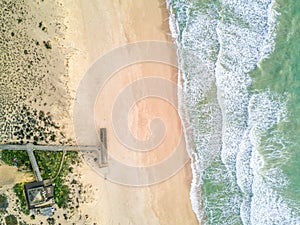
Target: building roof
x,y
39,194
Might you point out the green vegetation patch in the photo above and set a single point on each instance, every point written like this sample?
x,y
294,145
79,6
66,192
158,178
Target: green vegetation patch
x,y
19,191
16,158
11,220
49,163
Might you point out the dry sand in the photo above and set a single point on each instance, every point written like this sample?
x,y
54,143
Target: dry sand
x,y
95,28
10,176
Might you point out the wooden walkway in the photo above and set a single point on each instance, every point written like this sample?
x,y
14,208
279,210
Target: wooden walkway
x,y
30,148
102,149
33,162
50,147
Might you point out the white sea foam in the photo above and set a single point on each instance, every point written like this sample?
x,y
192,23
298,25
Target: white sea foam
x,y
269,42
241,43
197,74
243,169
266,110
195,193
218,45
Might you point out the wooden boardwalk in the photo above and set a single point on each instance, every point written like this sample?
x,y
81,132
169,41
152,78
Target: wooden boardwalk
x,y
30,148
50,147
33,162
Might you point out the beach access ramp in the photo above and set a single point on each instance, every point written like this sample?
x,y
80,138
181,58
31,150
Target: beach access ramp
x,y
103,148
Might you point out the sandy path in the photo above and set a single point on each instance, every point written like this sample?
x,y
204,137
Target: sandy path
x,y
96,27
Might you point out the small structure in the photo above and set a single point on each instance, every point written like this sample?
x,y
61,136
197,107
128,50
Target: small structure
x,y
39,194
47,211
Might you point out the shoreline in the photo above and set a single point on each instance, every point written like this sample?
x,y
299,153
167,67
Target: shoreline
x,y
195,191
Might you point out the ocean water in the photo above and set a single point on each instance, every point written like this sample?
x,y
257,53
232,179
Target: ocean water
x,y
240,72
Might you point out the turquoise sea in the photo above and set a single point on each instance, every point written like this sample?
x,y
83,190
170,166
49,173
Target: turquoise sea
x,y
240,72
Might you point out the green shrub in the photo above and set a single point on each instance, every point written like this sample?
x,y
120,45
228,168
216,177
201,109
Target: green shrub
x,y
3,203
51,221
47,44
11,220
8,157
19,191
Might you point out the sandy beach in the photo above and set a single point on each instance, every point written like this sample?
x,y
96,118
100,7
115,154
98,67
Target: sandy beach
x,y
64,39
95,28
